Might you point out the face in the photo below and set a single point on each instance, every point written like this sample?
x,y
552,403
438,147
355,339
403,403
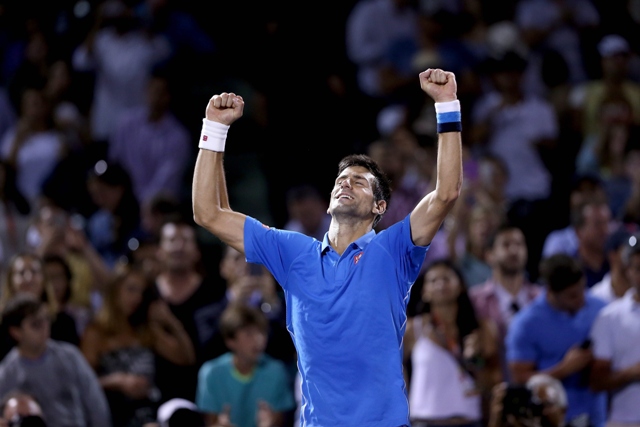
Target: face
x,y
178,246
34,331
248,344
104,195
595,229
131,292
509,252
57,277
570,299
352,196
27,276
633,272
441,285
309,211
481,225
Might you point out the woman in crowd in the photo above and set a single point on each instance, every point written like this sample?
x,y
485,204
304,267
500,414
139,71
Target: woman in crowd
x,y
121,343
25,273
450,350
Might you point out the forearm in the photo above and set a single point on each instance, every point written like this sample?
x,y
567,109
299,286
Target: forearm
x,y
206,193
613,380
449,166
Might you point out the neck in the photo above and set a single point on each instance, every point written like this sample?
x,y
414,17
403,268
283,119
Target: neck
x,y
243,366
445,313
619,282
512,283
33,353
554,303
342,234
591,257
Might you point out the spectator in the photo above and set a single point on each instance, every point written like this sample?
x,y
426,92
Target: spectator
x,y
121,56
253,285
615,332
33,147
59,275
152,131
307,211
117,218
564,240
121,341
25,275
245,386
55,373
194,298
615,282
593,224
551,336
508,290
451,351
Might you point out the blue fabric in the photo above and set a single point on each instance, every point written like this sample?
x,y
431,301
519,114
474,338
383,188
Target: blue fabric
x,y
347,317
541,334
220,385
452,116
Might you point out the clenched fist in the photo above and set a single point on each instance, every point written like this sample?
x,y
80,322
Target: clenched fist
x,y
439,85
225,108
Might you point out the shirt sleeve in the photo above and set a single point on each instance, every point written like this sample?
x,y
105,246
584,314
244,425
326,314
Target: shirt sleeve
x,y
94,403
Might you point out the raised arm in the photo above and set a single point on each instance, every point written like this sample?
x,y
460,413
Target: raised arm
x,y
428,215
209,194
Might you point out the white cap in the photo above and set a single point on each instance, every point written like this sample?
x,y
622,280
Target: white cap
x,y
170,406
613,45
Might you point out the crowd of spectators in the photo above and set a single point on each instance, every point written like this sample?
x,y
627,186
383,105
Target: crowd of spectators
x,y
118,310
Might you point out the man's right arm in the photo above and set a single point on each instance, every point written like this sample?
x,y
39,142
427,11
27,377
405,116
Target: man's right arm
x,y
209,194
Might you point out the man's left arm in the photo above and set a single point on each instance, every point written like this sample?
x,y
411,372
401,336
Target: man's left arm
x,y
428,215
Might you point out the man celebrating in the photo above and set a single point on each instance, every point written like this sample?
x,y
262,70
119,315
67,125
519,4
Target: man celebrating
x,y
346,295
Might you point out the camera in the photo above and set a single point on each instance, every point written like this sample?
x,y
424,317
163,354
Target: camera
x,y
518,401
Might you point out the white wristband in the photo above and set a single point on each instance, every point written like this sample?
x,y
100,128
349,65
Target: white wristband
x,y
447,107
213,136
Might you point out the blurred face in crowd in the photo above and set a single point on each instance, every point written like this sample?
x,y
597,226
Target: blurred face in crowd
x,y
27,276
310,211
570,299
595,229
482,223
34,331
248,344
57,277
441,285
131,293
178,246
104,195
509,252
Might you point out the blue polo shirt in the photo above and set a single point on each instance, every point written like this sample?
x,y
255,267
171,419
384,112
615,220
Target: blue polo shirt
x,y
542,334
347,317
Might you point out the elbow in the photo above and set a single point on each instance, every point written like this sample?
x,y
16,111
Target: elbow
x,y
204,217
449,196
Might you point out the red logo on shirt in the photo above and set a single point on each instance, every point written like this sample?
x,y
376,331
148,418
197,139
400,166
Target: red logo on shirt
x,y
204,137
357,258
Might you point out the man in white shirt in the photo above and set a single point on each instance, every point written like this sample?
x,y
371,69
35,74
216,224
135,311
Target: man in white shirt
x,y
615,336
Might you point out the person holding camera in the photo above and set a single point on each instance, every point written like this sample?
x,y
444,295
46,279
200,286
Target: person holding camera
x,y
20,409
551,336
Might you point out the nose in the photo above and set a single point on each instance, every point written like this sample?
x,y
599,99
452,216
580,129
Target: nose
x,y
345,183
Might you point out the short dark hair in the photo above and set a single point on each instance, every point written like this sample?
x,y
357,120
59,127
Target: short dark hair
x,y
238,316
578,217
382,185
19,308
502,228
560,271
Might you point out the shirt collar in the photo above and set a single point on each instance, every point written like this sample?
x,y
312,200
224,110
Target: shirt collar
x,y
360,243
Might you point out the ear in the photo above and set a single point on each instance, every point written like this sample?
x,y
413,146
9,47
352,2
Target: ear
x,y
380,207
15,332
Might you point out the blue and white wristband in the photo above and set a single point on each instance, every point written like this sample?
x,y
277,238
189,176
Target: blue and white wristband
x,y
448,116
